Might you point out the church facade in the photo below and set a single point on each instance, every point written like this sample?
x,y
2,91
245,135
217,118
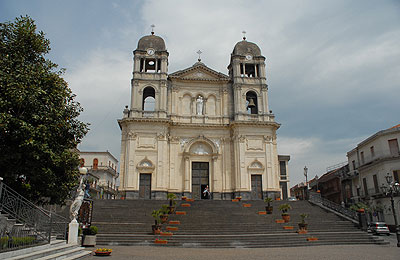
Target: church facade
x,y
198,127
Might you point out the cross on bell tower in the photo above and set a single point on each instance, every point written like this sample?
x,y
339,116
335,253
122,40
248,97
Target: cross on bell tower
x,y
152,29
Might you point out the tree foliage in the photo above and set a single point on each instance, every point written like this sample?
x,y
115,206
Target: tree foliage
x,y
39,129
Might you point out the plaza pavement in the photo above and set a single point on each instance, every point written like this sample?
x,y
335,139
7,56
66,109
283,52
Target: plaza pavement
x,y
351,252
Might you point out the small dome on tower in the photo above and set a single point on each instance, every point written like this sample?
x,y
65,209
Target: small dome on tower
x,y
244,47
151,41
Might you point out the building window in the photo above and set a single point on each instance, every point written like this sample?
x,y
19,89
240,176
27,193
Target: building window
x,y
95,163
149,99
376,186
372,151
251,103
365,186
354,164
362,157
394,147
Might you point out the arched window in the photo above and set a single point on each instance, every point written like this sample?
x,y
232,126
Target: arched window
x,y
149,101
95,163
251,103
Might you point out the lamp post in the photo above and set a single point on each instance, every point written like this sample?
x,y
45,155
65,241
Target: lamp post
x,y
305,174
392,189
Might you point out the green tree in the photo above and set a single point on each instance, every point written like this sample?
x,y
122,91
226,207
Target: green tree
x,y
39,129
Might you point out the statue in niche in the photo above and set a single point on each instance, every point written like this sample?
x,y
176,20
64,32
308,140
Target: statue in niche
x,y
199,105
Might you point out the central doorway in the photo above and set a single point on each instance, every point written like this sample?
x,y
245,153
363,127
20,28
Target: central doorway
x,y
256,188
145,186
200,179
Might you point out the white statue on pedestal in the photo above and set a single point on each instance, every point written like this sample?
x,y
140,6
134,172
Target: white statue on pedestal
x,y
199,105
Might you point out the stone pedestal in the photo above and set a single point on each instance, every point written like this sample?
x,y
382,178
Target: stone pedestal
x,y
73,232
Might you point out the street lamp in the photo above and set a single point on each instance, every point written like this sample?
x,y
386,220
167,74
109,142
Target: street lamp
x,y
305,174
392,189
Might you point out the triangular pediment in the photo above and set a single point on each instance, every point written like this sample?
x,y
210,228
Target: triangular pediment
x,y
199,71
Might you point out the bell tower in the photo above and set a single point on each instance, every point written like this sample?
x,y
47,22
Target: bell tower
x,y
248,76
149,81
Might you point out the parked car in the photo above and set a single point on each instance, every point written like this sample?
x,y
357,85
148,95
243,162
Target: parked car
x,y
379,228
292,199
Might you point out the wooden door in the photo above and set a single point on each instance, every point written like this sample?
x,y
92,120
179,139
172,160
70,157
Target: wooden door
x,y
256,188
145,186
200,179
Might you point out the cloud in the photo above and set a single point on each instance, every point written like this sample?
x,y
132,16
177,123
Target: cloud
x,y
101,81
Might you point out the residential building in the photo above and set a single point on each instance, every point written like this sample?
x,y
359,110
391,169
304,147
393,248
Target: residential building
x,y
284,175
369,163
102,173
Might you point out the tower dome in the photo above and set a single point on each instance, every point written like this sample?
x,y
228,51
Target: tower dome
x,y
151,41
244,47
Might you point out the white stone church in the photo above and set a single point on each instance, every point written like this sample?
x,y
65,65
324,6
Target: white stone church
x,y
198,127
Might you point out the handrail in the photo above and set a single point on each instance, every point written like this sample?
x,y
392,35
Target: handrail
x,y
40,222
317,199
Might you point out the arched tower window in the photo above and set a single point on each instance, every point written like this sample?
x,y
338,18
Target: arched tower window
x,y
95,163
149,99
251,102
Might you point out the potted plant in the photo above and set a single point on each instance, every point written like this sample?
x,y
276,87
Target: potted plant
x,y
284,208
268,208
171,197
89,236
303,225
103,251
156,228
164,213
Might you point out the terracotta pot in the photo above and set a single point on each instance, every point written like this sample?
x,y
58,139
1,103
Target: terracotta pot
x,y
156,229
102,253
164,219
286,218
303,226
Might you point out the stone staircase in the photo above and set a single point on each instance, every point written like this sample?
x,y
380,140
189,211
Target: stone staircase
x,y
223,224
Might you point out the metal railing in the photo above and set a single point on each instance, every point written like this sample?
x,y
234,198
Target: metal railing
x,y
35,224
317,199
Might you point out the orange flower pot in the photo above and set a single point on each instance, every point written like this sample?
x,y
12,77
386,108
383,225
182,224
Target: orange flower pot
x,y
174,222
166,234
262,213
235,200
186,205
287,227
247,205
180,212
172,228
279,221
312,239
159,241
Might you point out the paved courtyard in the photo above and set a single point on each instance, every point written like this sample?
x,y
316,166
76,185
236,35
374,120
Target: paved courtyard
x,y
357,252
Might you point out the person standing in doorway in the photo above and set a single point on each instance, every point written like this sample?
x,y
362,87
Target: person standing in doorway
x,y
206,193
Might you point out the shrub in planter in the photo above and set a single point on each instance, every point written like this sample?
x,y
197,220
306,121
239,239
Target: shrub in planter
x,y
268,208
303,225
156,228
284,209
89,236
171,197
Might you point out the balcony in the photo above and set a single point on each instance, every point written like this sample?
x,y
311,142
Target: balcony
x,y
103,168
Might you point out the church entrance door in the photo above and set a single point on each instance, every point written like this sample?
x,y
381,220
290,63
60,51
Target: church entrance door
x,y
256,189
200,179
145,186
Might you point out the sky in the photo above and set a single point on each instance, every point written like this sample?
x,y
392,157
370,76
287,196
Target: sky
x,y
333,67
